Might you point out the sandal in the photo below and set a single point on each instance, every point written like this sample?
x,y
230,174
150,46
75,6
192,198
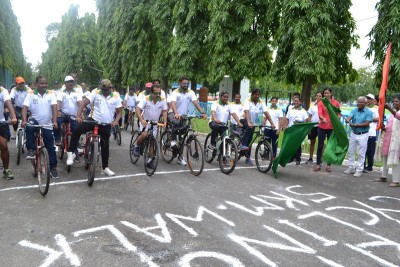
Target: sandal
x,y
317,168
328,168
381,179
394,184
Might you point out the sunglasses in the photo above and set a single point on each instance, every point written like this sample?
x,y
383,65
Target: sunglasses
x,y
157,93
105,87
185,84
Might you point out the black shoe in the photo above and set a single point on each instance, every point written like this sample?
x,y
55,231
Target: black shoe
x,y
54,173
309,161
297,162
136,151
150,164
366,171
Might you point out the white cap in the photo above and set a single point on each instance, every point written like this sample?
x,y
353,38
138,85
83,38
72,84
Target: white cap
x,y
69,78
370,96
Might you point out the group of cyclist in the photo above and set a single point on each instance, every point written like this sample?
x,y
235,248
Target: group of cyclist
x,y
72,103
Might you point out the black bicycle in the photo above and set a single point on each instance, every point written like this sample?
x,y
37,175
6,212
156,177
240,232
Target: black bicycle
x,y
263,154
226,150
187,137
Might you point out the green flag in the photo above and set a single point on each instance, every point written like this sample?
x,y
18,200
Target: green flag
x,y
338,143
294,136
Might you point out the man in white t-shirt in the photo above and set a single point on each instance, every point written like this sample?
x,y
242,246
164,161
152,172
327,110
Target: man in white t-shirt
x,y
5,101
152,106
237,107
42,104
105,104
17,95
68,102
369,154
180,100
129,104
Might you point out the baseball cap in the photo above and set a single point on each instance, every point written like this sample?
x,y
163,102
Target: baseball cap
x,y
69,78
370,96
106,82
56,82
149,85
19,80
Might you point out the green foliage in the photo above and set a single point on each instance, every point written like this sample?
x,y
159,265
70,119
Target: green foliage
x,y
313,42
387,29
11,54
72,48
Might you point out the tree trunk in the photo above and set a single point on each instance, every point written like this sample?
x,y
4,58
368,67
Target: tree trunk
x,y
164,84
306,93
235,88
194,85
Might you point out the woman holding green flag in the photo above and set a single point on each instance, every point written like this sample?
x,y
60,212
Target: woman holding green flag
x,y
325,127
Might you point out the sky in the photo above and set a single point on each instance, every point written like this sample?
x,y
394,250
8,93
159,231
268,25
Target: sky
x,y
33,24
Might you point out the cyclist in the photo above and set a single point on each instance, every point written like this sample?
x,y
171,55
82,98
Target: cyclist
x,y
5,101
105,104
272,135
129,103
17,95
252,108
68,102
42,104
220,112
180,99
237,106
152,107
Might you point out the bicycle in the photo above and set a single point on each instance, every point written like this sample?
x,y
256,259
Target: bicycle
x,y
92,149
65,138
41,161
263,154
150,154
131,122
20,141
116,130
186,137
227,156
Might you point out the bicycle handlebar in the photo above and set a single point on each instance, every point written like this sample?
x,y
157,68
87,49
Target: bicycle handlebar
x,y
66,115
39,125
96,122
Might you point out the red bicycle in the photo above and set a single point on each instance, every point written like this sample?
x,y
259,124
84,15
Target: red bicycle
x,y
65,138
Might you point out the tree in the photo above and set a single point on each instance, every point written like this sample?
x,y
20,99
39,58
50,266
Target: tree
x,y
313,43
240,39
72,48
387,29
11,54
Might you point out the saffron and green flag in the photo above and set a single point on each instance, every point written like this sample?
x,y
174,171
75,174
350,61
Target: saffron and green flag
x,y
292,139
338,143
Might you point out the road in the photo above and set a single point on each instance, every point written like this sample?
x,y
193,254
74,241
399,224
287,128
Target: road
x,y
173,218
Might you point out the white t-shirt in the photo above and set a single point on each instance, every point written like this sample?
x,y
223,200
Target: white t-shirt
x,y
19,96
41,106
238,109
275,114
4,96
142,95
372,125
104,107
222,112
255,110
152,111
298,115
182,100
313,111
69,101
130,101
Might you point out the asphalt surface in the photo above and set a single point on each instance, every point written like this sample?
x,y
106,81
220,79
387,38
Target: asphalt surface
x,y
173,218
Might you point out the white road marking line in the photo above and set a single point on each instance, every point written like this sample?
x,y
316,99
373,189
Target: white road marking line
x,y
110,178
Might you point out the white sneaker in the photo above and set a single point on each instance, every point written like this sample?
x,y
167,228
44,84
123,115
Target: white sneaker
x,y
173,143
350,171
181,161
71,157
358,174
108,172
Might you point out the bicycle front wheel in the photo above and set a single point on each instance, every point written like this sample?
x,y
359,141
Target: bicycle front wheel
x,y
61,146
165,146
92,162
118,133
264,156
135,136
43,174
151,157
194,155
19,146
227,160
